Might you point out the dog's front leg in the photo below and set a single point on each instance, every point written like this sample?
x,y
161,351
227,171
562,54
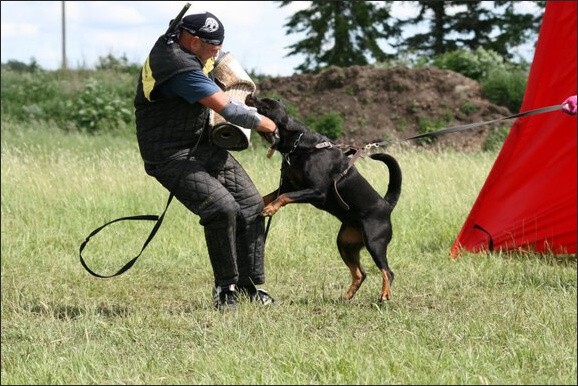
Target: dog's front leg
x,y
301,196
270,197
273,206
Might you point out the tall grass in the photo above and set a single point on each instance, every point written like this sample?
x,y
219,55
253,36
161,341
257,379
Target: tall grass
x,y
483,319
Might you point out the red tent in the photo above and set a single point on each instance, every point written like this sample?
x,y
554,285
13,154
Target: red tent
x,y
528,201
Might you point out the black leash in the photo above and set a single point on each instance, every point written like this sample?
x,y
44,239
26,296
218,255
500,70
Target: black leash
x,y
145,217
467,126
271,217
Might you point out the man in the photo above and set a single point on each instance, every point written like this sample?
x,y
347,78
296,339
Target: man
x,y
569,105
174,96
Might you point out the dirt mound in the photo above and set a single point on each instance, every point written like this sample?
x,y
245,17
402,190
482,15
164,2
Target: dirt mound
x,y
380,104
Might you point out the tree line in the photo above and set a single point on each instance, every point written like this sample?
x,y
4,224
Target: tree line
x,y
347,33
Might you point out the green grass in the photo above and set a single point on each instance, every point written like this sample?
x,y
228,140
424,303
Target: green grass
x,y
501,318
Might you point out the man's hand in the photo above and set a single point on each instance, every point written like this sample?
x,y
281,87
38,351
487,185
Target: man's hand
x,y
273,138
569,105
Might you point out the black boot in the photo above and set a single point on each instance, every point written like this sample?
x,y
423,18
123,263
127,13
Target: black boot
x,y
255,294
225,297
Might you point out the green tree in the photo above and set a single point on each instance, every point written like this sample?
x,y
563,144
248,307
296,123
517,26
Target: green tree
x,y
340,33
514,29
452,25
18,66
111,62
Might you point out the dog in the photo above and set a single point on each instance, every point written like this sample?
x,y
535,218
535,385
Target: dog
x,y
317,171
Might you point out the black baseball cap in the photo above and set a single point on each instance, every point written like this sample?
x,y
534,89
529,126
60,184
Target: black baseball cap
x,y
206,26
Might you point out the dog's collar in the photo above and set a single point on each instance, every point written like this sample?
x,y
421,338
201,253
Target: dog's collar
x,y
320,145
293,148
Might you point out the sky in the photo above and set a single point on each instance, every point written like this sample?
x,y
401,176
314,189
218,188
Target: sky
x,y
254,31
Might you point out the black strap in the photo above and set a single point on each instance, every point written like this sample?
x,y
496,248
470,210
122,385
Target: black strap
x,y
144,217
477,124
468,126
357,153
490,239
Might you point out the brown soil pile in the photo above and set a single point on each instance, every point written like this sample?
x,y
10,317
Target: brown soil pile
x,y
379,104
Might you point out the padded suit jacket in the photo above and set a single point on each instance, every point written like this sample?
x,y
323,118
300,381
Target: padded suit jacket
x,y
166,127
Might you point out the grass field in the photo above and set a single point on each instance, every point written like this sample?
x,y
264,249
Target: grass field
x,y
500,318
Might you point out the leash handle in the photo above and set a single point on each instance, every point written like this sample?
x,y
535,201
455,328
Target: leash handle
x,y
145,217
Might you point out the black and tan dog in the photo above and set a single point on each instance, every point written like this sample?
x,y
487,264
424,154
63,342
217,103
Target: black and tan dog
x,y
321,173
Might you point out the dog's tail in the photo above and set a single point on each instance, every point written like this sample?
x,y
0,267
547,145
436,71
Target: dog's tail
x,y
394,186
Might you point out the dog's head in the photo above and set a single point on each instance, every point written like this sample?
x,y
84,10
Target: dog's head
x,y
271,108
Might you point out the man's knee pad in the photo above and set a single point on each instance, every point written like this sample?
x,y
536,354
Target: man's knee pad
x,y
251,207
219,212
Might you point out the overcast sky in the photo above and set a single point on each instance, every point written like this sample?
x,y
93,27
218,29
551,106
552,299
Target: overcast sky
x,y
254,31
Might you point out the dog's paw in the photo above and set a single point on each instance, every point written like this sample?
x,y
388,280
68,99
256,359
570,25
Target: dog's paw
x,y
269,210
384,298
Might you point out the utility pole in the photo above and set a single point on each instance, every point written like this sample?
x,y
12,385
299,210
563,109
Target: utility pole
x,y
63,37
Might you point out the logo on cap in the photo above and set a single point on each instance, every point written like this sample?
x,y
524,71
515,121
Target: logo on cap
x,y
211,25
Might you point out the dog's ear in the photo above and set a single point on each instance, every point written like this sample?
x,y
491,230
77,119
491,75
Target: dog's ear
x,y
286,120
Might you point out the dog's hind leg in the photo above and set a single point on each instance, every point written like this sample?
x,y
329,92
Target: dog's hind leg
x,y
349,243
387,280
377,238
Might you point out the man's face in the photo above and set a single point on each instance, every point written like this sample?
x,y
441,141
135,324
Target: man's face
x,y
207,49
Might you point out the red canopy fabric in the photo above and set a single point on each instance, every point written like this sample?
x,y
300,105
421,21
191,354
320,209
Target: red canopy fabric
x,y
528,201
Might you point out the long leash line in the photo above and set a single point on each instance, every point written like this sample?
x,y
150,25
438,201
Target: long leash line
x,y
468,126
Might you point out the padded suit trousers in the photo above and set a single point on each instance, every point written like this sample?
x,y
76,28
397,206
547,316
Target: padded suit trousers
x,y
214,186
